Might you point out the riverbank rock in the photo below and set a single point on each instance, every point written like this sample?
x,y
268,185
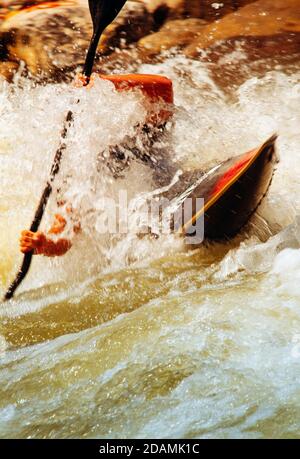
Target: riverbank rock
x,y
194,15
264,28
211,10
48,40
133,22
208,10
53,40
10,7
177,33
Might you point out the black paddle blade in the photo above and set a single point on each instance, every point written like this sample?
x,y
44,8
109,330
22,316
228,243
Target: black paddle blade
x,y
103,12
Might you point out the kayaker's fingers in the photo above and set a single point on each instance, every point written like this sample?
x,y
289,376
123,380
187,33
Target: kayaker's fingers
x,y
24,243
59,224
25,249
91,81
27,233
25,240
80,80
27,236
30,241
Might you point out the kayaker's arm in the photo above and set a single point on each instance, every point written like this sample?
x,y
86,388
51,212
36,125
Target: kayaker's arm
x,y
41,244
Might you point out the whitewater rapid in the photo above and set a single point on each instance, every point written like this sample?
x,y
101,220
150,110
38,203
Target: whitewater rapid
x,y
140,338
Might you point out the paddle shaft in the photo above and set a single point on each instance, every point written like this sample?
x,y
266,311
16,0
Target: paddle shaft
x,y
41,208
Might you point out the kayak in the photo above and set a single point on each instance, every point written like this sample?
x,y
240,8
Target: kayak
x,y
231,192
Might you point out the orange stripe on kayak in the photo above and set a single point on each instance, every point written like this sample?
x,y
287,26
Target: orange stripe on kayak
x,y
228,176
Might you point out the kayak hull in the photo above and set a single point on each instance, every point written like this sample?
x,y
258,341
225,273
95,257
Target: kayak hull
x,y
234,207
231,193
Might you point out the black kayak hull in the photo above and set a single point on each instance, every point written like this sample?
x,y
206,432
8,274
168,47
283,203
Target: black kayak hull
x,y
231,193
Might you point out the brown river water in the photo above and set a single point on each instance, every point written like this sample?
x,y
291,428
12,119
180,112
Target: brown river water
x,y
137,338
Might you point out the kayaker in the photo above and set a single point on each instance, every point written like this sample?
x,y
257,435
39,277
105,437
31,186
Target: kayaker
x,y
158,94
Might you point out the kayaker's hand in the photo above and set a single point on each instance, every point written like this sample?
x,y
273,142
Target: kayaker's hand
x,y
30,241
59,225
81,80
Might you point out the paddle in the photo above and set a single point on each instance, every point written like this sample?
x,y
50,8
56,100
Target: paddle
x,y
103,12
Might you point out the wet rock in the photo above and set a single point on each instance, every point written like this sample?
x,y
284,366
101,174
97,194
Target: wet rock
x,y
183,32
53,40
132,23
208,10
8,70
264,28
211,10
176,33
174,7
48,40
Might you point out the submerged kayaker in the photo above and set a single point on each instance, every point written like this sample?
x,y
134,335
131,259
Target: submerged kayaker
x,y
158,92
224,219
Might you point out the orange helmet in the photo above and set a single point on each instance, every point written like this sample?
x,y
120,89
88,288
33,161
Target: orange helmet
x,y
157,89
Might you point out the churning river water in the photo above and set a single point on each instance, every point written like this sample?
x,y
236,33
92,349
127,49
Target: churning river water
x,y
127,337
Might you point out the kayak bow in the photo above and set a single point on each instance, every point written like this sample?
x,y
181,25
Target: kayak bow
x,y
231,192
